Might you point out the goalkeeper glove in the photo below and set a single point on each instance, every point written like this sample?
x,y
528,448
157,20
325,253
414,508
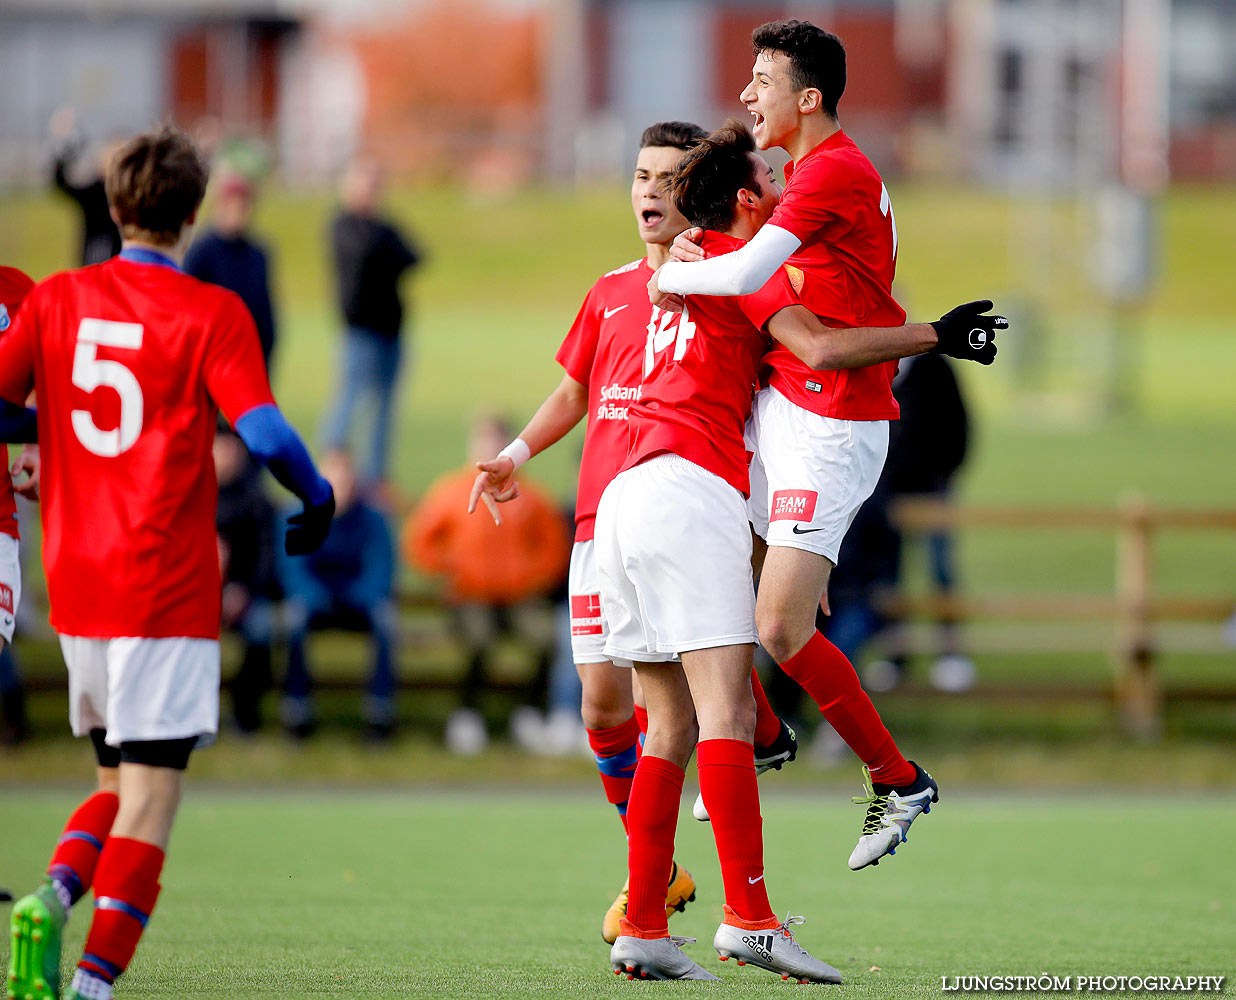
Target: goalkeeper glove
x,y
967,334
308,529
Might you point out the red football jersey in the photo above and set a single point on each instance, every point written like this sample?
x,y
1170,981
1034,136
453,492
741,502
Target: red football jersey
x,y
699,378
837,205
604,350
129,360
14,285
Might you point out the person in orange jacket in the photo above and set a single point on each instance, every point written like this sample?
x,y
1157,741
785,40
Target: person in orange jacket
x,y
497,578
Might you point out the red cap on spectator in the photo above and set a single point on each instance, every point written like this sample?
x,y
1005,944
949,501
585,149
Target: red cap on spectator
x,y
13,288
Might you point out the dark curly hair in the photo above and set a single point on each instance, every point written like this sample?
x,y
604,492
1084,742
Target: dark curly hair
x,y
707,180
817,57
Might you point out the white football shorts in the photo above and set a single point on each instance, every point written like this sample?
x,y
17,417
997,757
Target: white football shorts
x,y
674,562
588,631
10,584
809,474
143,689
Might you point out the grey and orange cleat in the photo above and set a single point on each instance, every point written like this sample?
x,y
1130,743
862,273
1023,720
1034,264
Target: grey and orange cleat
x,y
654,958
34,963
770,758
890,811
774,950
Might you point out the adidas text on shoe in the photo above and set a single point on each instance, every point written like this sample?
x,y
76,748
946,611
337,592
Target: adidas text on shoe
x,y
890,812
658,958
774,950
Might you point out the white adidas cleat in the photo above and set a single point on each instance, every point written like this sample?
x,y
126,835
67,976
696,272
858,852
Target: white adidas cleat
x,y
660,958
783,750
890,811
774,950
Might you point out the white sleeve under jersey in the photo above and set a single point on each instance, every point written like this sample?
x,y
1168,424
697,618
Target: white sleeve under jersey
x,y
739,273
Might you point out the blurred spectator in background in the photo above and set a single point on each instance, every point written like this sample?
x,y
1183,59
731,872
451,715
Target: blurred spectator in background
x,y
246,524
14,726
100,237
14,286
347,584
497,578
225,253
927,447
370,257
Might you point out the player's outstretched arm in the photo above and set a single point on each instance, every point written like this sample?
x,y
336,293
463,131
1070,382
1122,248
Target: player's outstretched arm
x,y
741,272
828,348
495,482
275,443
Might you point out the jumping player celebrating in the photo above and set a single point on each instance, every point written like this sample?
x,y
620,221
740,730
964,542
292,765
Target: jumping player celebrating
x,y
129,360
821,438
673,553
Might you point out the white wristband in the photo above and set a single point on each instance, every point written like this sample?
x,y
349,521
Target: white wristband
x,y
517,451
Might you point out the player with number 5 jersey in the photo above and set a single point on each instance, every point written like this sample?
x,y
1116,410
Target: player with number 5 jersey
x,y
130,361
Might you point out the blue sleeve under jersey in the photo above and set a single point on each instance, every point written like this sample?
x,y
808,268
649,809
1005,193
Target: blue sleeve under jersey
x,y
275,443
18,424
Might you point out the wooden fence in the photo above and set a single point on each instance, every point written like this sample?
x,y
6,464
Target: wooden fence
x,y
1132,606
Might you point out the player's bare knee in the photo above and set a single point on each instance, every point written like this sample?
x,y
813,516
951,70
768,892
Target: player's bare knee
x,y
672,739
782,635
606,699
730,717
603,714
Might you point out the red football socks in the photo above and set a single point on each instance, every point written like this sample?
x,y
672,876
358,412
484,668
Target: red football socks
x,y
652,820
641,718
126,886
615,752
727,782
77,852
767,725
824,672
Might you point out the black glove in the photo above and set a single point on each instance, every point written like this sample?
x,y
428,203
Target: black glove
x,y
967,334
308,529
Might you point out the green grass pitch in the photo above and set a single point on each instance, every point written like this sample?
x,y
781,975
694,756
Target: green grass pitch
x,y
481,893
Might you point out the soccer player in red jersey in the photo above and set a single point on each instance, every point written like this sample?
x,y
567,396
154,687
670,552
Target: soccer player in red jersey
x,y
821,437
129,360
16,424
603,356
673,553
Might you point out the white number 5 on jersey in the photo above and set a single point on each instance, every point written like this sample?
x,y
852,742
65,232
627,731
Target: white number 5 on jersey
x,y
90,372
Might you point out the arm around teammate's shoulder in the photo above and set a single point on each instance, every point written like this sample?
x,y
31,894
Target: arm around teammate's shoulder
x,y
741,272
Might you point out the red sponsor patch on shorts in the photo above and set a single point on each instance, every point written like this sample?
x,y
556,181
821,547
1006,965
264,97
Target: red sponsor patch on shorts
x,y
586,614
793,505
6,598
